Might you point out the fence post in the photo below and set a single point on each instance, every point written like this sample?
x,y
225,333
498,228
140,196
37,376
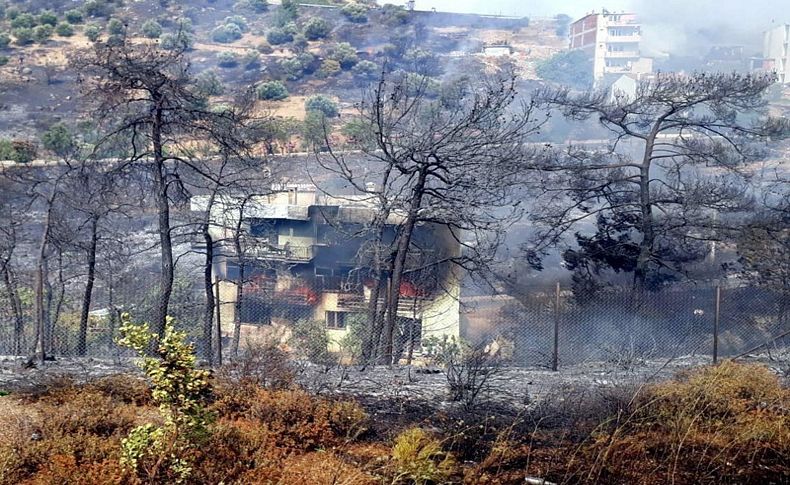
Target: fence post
x,y
555,357
716,316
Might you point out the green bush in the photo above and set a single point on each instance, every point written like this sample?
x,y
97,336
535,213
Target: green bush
x,y
99,8
92,32
309,338
272,91
3,60
345,54
64,29
573,68
182,40
183,24
419,459
265,48
115,27
296,67
251,59
48,17
59,140
5,40
366,70
12,12
74,16
19,151
208,83
181,392
356,13
258,6
23,21
42,33
316,28
322,104
238,21
227,59
226,33
329,68
151,29
278,36
23,35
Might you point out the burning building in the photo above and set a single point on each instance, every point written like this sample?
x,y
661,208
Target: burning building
x,y
299,254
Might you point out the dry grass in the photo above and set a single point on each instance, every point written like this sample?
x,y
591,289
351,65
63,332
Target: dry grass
x,y
725,424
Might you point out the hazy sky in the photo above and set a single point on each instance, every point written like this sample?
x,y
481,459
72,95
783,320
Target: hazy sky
x,y
679,26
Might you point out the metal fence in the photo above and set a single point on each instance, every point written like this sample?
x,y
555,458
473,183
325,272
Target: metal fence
x,y
545,326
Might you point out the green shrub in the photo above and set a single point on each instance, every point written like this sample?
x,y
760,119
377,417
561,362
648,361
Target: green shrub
x,y
59,140
115,27
418,459
356,13
258,6
19,151
64,29
278,36
48,17
272,91
92,32
366,70
42,33
208,83
329,68
12,12
238,21
74,16
345,54
316,28
153,452
251,59
265,48
23,21
98,8
151,29
5,40
296,67
227,59
310,339
3,60
23,35
226,33
182,40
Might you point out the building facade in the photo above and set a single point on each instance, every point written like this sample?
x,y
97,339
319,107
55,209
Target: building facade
x,y
307,256
612,40
776,52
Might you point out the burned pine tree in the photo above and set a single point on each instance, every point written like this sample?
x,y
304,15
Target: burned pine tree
x,y
453,159
663,188
145,96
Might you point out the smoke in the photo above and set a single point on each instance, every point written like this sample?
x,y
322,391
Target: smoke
x,y
684,27
679,27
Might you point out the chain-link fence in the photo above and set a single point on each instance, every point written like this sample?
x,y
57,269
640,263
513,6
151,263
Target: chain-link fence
x,y
547,326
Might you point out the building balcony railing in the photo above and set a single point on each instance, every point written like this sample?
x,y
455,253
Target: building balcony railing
x,y
614,39
358,303
622,54
263,250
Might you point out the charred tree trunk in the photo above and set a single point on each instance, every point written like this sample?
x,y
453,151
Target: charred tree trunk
x,y
399,265
87,296
237,305
208,282
163,209
646,208
40,309
12,293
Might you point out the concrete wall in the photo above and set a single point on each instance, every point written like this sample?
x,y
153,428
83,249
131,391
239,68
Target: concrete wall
x,y
776,50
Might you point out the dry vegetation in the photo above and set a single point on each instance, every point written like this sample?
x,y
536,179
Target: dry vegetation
x,y
725,424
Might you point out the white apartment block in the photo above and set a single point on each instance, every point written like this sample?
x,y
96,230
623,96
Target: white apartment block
x,y
776,52
612,41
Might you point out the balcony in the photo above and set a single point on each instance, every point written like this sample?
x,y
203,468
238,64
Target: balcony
x,y
619,39
356,303
260,248
622,54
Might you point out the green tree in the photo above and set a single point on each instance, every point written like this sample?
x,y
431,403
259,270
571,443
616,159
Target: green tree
x,y
182,40
279,36
322,104
226,33
151,29
287,13
572,68
23,21
316,28
366,70
227,59
272,91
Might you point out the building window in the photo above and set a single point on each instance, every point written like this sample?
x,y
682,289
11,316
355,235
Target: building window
x,y
335,320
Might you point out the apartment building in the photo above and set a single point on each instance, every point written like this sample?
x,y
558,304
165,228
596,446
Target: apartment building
x,y
306,256
776,52
612,40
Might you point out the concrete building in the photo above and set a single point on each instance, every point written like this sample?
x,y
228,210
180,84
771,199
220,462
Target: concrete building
x,y
612,41
304,256
776,52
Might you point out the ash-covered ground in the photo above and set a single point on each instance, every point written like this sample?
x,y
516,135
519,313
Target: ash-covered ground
x,y
514,386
